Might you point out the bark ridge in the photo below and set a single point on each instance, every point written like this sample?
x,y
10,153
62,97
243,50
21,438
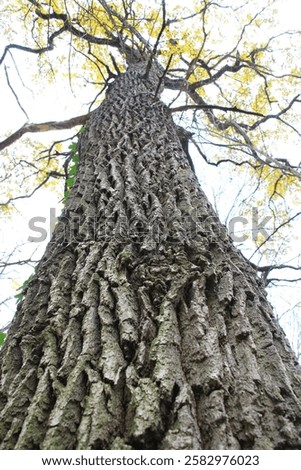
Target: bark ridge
x,y
143,327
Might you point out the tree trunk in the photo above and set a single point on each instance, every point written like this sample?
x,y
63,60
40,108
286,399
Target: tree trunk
x,y
143,327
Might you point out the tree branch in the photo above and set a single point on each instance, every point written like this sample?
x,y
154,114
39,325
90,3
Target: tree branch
x,y
212,106
276,116
5,264
68,26
275,279
14,93
51,174
227,68
286,222
44,127
40,50
154,51
280,266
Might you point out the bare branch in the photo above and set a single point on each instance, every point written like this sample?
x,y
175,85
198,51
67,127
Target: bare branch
x,y
224,160
127,25
114,42
40,50
286,222
22,262
276,116
44,127
14,93
227,68
280,266
281,164
183,85
51,174
275,279
154,51
233,109
163,74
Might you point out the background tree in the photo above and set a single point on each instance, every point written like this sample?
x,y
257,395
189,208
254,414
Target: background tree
x,y
143,327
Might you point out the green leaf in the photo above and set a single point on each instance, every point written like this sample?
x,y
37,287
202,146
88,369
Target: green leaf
x,y
73,170
25,283
66,196
2,338
70,182
20,295
72,147
75,158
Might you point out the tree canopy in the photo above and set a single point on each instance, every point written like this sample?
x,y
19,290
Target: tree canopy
x,y
230,75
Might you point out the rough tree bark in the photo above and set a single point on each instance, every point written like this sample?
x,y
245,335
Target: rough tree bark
x,y
143,327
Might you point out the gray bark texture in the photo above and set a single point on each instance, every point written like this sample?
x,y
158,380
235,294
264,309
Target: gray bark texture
x,y
143,327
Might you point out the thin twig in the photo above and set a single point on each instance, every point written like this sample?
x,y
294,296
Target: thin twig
x,y
14,93
233,109
154,51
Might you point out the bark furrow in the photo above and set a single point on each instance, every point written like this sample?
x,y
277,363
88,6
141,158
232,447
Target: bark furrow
x,y
143,327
